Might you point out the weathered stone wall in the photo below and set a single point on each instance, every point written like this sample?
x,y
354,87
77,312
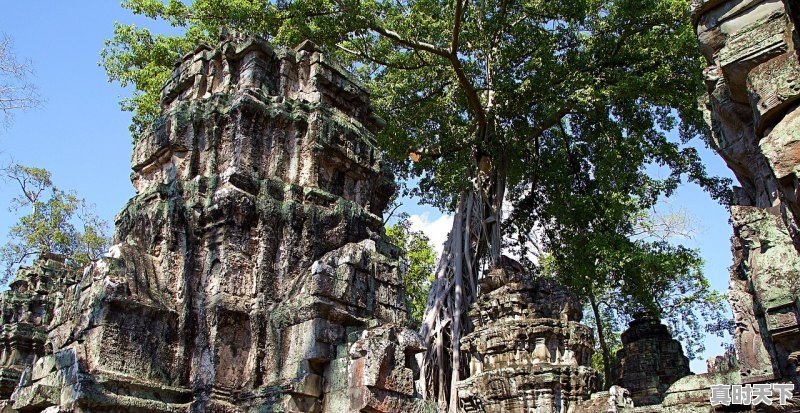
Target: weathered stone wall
x,y
649,362
753,83
248,273
28,306
528,351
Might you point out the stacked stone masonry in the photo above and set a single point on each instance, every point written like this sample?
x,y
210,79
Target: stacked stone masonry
x,y
649,362
32,301
248,274
528,352
753,83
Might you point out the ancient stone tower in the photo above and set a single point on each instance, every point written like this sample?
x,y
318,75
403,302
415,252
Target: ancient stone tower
x,y
33,299
649,361
528,352
249,273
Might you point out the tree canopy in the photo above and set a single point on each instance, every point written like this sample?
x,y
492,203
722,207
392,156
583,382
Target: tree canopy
x,y
418,261
51,221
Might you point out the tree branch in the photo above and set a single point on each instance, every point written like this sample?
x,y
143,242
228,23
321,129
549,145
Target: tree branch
x,y
472,95
452,56
412,44
549,122
456,27
364,54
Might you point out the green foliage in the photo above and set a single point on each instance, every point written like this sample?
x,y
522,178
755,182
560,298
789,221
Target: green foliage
x,y
515,69
137,57
517,80
626,275
417,263
56,221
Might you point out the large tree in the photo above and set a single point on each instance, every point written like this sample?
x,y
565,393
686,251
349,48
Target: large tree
x,y
487,100
592,217
619,277
51,221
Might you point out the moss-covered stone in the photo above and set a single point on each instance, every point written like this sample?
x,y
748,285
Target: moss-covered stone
x,y
248,263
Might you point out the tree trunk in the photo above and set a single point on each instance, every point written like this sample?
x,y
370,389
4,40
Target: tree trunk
x,y
475,232
598,321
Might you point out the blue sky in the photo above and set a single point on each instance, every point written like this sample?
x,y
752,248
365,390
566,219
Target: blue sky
x,y
81,135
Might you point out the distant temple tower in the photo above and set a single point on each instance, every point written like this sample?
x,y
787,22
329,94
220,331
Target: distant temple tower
x,y
649,362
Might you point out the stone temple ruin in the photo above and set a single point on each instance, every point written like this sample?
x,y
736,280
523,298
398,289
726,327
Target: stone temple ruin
x,y
34,298
528,350
649,362
250,273
753,89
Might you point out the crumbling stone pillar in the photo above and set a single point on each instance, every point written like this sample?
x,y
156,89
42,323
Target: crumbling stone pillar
x,y
528,351
650,360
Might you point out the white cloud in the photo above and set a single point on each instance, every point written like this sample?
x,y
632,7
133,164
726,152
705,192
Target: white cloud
x,y
436,229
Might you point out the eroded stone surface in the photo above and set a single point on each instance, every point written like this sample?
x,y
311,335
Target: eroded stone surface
x,y
764,294
249,273
33,299
753,94
528,351
649,362
616,400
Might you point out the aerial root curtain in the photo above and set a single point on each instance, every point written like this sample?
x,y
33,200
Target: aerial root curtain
x,y
476,230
